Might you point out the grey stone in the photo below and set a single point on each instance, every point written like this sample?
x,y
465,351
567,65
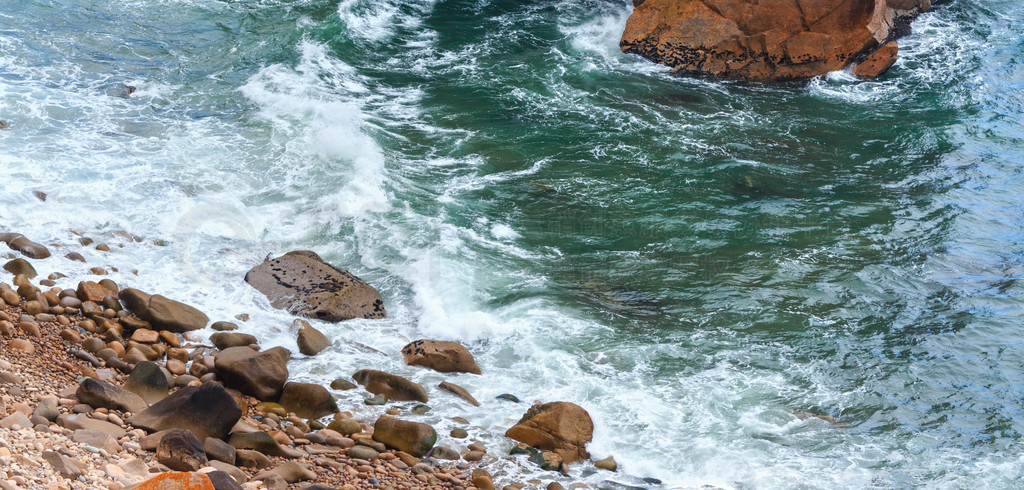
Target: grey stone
x,y
180,450
99,394
63,465
206,411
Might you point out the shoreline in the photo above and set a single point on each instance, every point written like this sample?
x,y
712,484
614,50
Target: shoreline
x,y
67,369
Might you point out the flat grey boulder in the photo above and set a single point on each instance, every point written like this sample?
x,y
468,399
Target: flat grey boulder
x,y
99,394
206,411
302,283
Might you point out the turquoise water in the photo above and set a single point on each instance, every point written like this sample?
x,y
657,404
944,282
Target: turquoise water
x,y
700,264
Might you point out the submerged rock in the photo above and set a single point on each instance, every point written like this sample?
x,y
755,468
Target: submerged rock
x,y
460,392
302,283
393,386
754,40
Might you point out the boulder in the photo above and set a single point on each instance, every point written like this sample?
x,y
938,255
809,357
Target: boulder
x,y
81,421
149,381
247,458
441,356
342,384
162,312
607,464
230,469
345,426
444,452
363,452
255,373
303,284
759,40
16,419
99,394
262,442
226,340
307,400
394,387
96,438
145,336
92,291
482,479
460,392
219,450
180,450
561,427
206,411
224,481
411,437
27,247
310,340
175,480
48,408
224,326
22,345
290,471
63,465
20,266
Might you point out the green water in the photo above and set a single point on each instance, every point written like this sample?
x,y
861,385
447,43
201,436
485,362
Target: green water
x,y
691,260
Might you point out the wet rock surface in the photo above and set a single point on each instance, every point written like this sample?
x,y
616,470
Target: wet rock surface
x,y
303,284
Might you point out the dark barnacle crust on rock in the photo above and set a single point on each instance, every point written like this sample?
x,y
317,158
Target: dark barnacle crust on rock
x,y
302,283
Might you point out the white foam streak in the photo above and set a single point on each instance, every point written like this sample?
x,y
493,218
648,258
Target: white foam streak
x,y
317,101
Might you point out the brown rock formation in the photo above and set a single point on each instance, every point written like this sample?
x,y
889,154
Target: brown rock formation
x,y
764,39
561,427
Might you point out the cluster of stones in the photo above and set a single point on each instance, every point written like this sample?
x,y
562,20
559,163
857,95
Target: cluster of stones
x,y
123,394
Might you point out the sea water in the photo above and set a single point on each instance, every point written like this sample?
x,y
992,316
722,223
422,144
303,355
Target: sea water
x,y
799,285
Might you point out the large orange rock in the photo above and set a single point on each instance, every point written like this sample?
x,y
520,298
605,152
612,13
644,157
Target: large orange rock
x,y
764,39
174,480
560,427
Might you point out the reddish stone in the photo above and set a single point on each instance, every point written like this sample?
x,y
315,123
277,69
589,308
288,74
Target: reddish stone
x,y
878,62
174,480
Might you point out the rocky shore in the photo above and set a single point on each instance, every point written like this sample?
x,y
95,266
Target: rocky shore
x,y
107,386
